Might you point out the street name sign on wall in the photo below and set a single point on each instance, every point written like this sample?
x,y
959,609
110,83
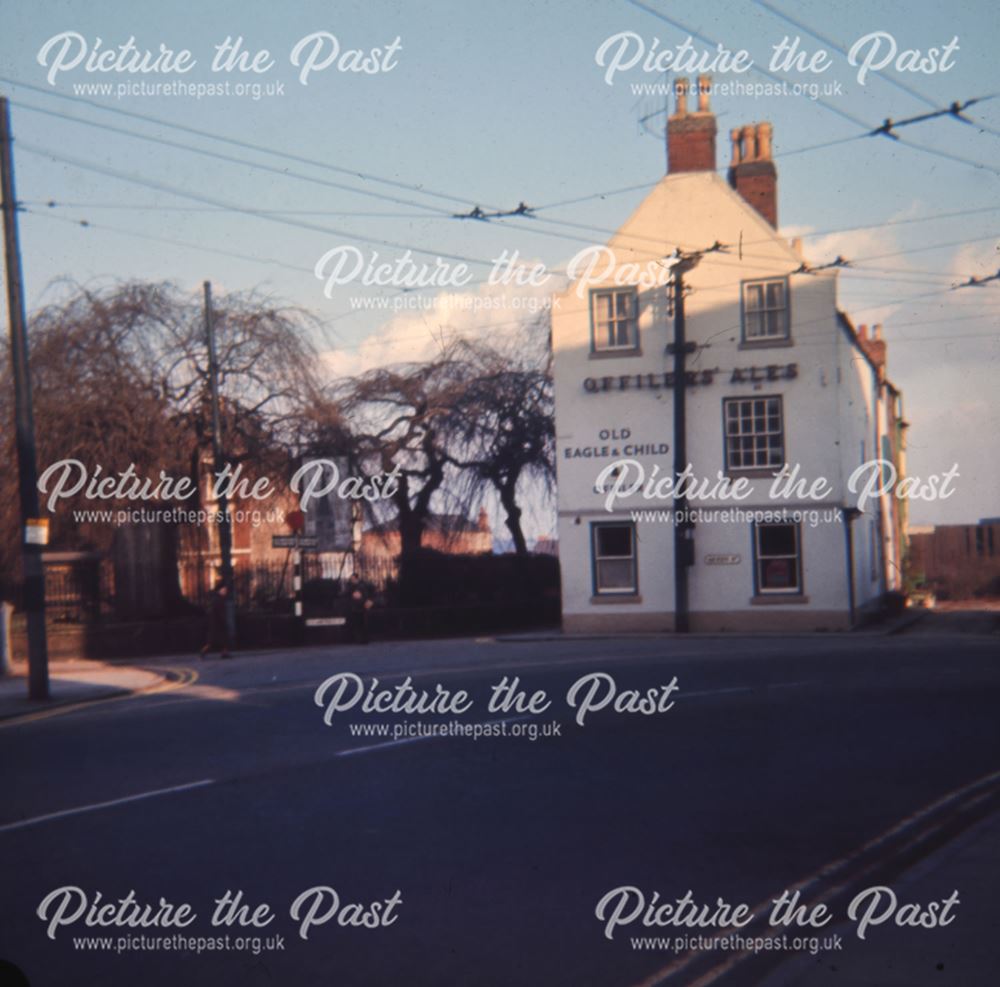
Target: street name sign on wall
x,y
723,559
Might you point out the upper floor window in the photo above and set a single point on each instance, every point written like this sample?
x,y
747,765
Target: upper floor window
x,y
614,320
754,433
765,310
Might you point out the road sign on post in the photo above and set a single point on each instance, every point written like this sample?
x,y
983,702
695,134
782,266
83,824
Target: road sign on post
x,y
301,543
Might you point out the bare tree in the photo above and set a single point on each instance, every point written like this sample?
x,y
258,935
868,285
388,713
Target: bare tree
x,y
120,376
404,417
506,426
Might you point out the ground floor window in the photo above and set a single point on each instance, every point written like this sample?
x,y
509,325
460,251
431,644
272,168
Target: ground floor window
x,y
614,558
777,557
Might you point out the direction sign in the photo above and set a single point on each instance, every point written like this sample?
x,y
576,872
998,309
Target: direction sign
x,y
304,543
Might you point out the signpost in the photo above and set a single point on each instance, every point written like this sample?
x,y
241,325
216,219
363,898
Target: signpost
x,y
300,543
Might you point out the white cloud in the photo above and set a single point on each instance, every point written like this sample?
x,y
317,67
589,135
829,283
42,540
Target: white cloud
x,y
423,323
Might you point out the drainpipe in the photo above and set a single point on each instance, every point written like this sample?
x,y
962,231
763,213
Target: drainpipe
x,y
848,515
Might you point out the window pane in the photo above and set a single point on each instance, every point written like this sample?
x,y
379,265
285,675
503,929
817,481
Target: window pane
x,y
754,432
614,540
778,574
765,310
614,317
614,574
776,539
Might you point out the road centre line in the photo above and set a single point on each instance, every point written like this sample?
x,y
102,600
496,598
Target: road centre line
x,y
62,814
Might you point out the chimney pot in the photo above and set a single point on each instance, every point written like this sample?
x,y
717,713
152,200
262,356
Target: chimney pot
x,y
877,331
734,136
764,131
862,332
681,90
704,88
749,136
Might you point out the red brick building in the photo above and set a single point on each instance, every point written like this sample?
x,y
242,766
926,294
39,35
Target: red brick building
x,y
957,561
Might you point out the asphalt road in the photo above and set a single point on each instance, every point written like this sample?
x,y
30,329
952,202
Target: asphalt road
x,y
831,764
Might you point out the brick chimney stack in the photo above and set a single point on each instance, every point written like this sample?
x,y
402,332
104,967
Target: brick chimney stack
x,y
751,170
874,347
691,136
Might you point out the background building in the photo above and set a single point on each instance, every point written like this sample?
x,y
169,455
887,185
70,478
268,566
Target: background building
x,y
956,561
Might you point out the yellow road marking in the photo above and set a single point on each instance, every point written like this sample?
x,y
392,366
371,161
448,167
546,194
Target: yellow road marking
x,y
174,679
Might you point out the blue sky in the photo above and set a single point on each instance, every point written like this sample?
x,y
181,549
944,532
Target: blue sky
x,y
501,104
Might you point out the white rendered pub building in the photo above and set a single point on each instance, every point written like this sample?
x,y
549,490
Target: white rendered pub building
x,y
776,378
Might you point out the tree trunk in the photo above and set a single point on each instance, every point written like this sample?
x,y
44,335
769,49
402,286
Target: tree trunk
x,y
411,530
513,517
411,522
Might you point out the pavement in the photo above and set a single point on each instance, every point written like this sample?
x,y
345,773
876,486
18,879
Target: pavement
x,y
75,682
959,953
877,628
950,617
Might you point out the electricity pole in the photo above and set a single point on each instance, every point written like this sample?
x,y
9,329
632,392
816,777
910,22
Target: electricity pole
x,y
682,262
225,529
32,531
683,540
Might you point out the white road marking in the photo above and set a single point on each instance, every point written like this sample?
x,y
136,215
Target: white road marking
x,y
34,821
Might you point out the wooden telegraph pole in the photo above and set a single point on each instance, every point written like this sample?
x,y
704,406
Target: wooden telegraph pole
x,y
225,527
34,529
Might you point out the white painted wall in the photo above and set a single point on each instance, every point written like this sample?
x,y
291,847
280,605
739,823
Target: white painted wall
x,y
828,410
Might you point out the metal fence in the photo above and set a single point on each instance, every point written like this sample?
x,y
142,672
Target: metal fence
x,y
269,586
82,590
